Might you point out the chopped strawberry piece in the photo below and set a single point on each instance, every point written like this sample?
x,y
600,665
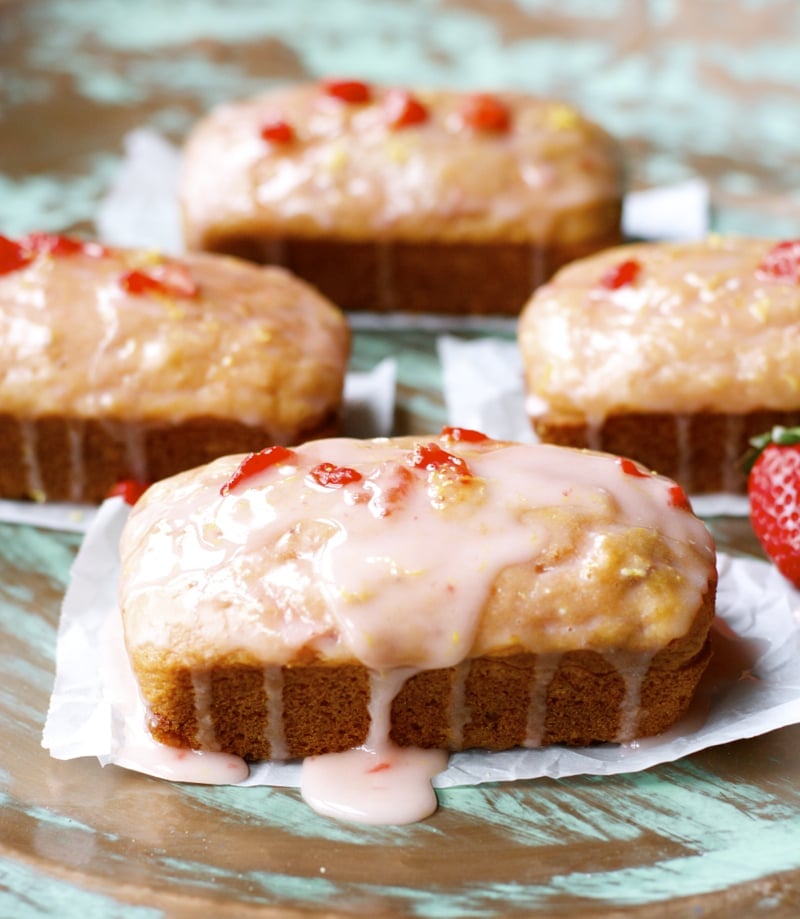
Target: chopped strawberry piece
x,y
630,468
403,109
486,113
352,91
464,435
432,457
678,498
53,244
130,490
278,132
330,476
167,280
254,463
621,275
782,262
13,255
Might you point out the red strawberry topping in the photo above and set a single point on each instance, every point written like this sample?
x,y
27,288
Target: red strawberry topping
x,y
53,244
352,91
167,280
782,262
773,487
484,112
130,490
254,463
278,132
329,475
678,498
432,458
463,435
621,275
403,109
13,255
630,468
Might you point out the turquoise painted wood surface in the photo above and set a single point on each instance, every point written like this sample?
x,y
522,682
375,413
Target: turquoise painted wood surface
x,y
709,88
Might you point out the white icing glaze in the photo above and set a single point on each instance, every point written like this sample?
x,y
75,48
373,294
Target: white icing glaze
x,y
699,329
387,785
253,345
279,569
379,782
348,175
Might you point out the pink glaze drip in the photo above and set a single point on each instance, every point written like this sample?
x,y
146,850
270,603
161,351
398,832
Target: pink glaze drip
x,y
273,687
77,471
30,459
459,712
386,785
633,670
134,747
546,666
205,734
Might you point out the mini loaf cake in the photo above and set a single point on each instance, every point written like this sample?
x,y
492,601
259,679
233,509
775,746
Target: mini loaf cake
x,y
462,592
127,364
393,200
672,353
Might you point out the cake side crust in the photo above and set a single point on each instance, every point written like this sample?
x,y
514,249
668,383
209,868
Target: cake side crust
x,y
493,702
461,278
72,459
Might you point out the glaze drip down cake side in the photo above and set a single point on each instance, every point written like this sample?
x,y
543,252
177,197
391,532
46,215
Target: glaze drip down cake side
x,y
400,200
675,354
456,591
128,364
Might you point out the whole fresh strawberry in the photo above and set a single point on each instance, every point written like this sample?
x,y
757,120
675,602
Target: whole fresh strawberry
x,y
773,486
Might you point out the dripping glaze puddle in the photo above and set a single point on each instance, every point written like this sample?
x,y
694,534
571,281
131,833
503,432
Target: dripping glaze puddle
x,y
378,783
386,785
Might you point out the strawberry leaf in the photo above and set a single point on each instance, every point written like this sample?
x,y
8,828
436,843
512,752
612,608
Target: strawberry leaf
x,y
783,437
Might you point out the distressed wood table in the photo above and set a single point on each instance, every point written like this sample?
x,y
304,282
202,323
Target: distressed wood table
x,y
706,90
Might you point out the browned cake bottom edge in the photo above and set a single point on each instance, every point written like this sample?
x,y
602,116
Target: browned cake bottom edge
x,y
577,698
58,458
458,278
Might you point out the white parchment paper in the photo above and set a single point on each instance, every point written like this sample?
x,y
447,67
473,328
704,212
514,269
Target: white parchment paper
x,y
752,686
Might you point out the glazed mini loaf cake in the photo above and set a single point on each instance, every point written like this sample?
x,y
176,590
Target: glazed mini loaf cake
x,y
127,364
460,591
675,354
392,200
